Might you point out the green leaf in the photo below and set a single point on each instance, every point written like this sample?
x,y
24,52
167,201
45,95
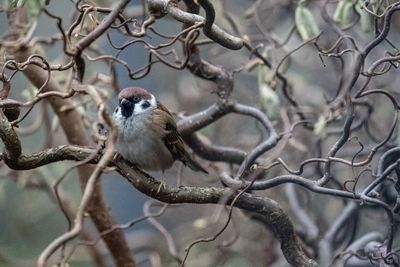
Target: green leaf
x,y
10,4
337,16
55,122
29,92
343,12
200,223
347,13
268,98
269,101
365,21
34,7
320,127
305,22
20,3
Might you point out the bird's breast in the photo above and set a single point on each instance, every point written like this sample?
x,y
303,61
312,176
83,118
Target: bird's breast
x,y
143,147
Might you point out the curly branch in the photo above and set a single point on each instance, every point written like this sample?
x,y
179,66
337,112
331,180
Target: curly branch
x,y
161,7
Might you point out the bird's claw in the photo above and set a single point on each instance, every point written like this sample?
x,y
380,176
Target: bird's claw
x,y
117,157
162,185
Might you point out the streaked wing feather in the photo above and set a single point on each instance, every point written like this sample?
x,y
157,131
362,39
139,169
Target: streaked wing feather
x,y
170,134
172,140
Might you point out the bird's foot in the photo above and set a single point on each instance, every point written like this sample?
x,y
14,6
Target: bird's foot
x,y
117,157
162,183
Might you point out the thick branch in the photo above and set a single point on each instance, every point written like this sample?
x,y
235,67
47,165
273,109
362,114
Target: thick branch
x,y
211,152
268,209
195,122
72,124
89,190
10,139
274,216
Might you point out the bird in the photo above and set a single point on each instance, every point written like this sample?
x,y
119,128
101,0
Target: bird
x,y
147,132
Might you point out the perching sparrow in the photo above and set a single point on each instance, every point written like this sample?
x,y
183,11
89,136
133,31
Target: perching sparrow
x,y
147,132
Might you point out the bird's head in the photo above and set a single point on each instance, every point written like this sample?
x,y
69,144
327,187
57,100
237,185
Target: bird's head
x,y
134,101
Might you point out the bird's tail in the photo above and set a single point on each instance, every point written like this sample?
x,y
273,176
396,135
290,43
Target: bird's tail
x,y
191,163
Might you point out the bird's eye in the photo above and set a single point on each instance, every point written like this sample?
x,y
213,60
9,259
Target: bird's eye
x,y
135,99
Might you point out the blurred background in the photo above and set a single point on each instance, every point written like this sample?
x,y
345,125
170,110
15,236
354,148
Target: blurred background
x,y
30,217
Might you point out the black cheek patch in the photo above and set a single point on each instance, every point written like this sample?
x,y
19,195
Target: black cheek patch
x,y
127,110
145,104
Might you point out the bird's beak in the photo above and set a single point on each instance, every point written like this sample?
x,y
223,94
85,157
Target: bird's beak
x,y
127,107
125,102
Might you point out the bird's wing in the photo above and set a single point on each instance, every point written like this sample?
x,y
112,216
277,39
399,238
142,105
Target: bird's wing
x,y
172,140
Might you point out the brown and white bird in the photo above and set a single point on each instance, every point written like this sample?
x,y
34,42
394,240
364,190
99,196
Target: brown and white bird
x,y
147,132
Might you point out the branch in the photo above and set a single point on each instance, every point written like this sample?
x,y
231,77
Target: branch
x,y
264,146
90,189
72,124
161,7
202,147
10,139
104,26
195,122
269,210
